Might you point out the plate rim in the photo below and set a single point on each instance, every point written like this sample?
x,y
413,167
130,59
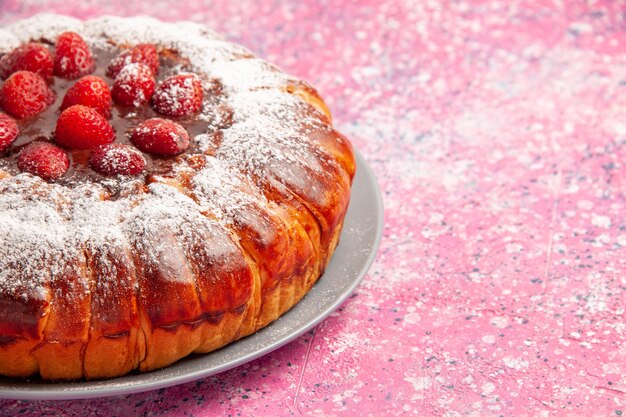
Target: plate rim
x,y
21,390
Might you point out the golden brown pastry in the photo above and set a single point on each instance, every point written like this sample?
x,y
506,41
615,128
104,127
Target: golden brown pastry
x,y
120,252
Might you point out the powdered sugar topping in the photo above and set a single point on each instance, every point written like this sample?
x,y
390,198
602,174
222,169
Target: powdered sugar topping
x,y
44,233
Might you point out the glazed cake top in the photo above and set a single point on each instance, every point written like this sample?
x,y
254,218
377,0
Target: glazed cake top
x,y
250,130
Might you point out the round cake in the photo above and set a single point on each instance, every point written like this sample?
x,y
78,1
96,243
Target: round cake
x,y
162,192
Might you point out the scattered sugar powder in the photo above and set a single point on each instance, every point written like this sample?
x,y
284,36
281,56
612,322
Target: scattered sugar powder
x,y
165,213
267,132
33,233
249,74
44,27
222,191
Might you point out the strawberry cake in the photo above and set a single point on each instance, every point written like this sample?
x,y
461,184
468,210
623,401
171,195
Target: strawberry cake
x,y
162,192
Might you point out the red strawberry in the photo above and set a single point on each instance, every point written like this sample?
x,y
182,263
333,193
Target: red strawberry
x,y
90,91
143,53
25,94
160,137
82,127
178,95
32,57
8,131
73,58
117,159
43,159
133,86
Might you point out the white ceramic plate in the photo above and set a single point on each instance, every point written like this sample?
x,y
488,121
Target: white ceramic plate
x,y
360,238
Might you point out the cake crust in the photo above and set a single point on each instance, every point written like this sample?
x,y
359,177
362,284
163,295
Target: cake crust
x,y
102,276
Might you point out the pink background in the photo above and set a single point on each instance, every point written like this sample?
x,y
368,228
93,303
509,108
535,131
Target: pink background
x,y
497,130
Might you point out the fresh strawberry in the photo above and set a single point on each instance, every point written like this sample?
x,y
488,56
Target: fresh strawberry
x,y
178,95
8,131
73,58
160,137
82,127
133,86
25,94
90,91
43,159
32,57
143,53
117,159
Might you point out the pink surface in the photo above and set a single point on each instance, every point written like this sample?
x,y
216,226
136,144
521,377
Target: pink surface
x,y
497,130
